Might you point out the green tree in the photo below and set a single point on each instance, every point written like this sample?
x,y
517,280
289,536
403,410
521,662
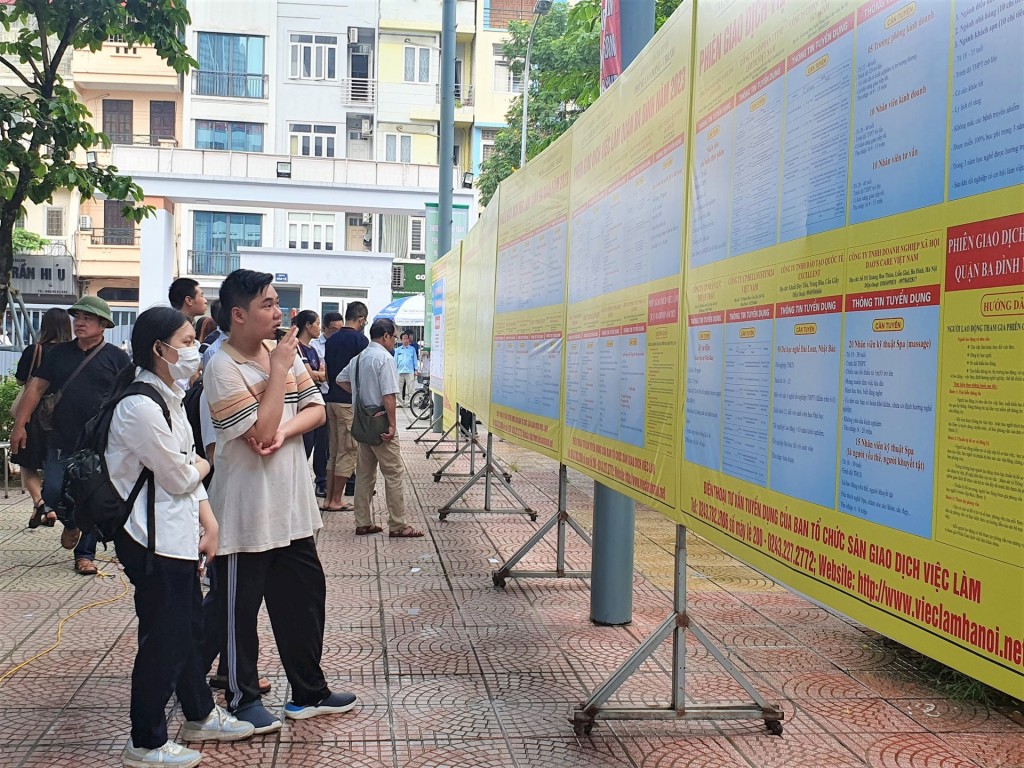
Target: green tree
x,y
566,79
43,125
24,241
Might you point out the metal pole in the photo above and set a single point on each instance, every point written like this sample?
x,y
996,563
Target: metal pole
x,y
446,136
611,593
526,92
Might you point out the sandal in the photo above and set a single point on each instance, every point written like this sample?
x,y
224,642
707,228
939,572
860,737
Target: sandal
x,y
342,508
39,516
408,532
366,530
85,567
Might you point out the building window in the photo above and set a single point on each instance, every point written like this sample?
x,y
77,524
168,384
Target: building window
x,y
312,140
230,65
417,65
505,81
487,138
314,57
397,277
19,223
123,295
216,238
55,222
311,230
417,242
397,148
238,137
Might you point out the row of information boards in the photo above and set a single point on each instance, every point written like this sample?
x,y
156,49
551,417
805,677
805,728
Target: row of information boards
x,y
771,284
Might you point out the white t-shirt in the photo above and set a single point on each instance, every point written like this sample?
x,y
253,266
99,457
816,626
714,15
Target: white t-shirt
x,y
261,502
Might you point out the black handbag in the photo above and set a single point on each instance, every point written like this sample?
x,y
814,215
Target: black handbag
x,y
369,422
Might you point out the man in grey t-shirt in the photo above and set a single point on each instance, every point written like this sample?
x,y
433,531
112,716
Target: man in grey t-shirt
x,y
377,385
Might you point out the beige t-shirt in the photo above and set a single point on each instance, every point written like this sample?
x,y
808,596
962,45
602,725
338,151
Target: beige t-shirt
x,y
261,502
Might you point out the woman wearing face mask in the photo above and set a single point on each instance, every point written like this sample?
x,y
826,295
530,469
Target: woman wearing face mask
x,y
167,595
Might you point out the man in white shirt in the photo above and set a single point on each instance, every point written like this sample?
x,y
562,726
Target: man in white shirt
x,y
377,385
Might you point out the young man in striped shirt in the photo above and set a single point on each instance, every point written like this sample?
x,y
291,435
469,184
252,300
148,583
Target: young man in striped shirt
x,y
262,401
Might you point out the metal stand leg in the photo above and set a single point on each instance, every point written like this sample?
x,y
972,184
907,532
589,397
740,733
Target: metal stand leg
x,y
675,626
472,447
561,520
429,429
490,472
444,438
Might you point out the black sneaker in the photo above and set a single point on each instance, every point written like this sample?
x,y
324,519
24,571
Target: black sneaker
x,y
334,704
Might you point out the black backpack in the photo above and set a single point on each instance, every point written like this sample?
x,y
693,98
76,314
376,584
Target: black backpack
x,y
191,403
87,495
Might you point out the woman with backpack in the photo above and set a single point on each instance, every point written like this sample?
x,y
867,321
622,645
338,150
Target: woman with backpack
x,y
163,551
55,328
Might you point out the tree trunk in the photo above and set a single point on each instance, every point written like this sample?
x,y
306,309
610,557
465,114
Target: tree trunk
x,y
8,215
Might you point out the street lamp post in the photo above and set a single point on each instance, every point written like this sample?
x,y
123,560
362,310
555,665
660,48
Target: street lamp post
x,y
542,7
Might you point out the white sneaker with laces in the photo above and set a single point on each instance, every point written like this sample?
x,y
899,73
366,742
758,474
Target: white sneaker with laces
x,y
169,754
219,725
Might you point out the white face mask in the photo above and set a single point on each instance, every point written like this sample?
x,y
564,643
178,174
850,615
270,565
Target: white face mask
x,y
187,365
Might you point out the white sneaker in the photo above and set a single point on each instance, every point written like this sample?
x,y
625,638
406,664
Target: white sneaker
x,y
169,754
219,725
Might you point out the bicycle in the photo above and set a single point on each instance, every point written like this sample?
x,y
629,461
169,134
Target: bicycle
x,y
421,402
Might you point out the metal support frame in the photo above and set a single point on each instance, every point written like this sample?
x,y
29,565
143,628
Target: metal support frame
x,y
561,520
22,333
675,626
489,473
471,446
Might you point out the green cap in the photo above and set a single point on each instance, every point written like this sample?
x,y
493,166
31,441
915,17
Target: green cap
x,y
93,305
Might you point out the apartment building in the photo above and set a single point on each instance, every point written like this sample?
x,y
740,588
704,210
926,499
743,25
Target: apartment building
x,y
328,90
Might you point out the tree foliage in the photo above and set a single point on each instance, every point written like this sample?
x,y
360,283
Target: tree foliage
x,y
24,241
565,80
44,128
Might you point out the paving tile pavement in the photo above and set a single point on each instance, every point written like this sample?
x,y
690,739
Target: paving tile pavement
x,y
453,673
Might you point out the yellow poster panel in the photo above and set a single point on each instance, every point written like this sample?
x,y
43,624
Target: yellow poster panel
x,y
450,269
529,306
854,400
439,277
476,310
625,254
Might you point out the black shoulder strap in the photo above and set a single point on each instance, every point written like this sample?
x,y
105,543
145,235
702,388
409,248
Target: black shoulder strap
x,y
146,478
81,365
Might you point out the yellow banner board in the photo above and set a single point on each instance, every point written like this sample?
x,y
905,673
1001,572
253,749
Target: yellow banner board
x,y
854,305
445,350
625,254
529,302
476,312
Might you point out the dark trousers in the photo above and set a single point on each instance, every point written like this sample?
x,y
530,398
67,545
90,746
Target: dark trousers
x,y
317,443
168,603
291,581
321,447
213,625
53,479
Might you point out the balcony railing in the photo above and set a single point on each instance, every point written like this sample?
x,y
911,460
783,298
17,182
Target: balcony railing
x,y
141,138
115,236
463,95
212,262
358,90
232,84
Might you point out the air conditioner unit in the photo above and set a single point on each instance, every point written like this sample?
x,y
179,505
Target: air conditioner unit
x,y
366,127
359,48
85,223
353,34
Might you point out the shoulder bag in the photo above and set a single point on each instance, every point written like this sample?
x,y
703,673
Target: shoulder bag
x,y
369,422
48,405
37,356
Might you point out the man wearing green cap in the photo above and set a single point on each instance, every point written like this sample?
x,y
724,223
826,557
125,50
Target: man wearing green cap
x,y
80,373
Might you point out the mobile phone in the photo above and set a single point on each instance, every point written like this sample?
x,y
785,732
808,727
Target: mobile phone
x,y
202,563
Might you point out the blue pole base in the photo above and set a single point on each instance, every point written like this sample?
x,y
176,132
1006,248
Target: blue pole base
x,y
611,579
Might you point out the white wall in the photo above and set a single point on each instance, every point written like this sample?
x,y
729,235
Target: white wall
x,y
312,270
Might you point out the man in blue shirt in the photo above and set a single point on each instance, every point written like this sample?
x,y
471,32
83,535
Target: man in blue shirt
x,y
340,348
405,359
